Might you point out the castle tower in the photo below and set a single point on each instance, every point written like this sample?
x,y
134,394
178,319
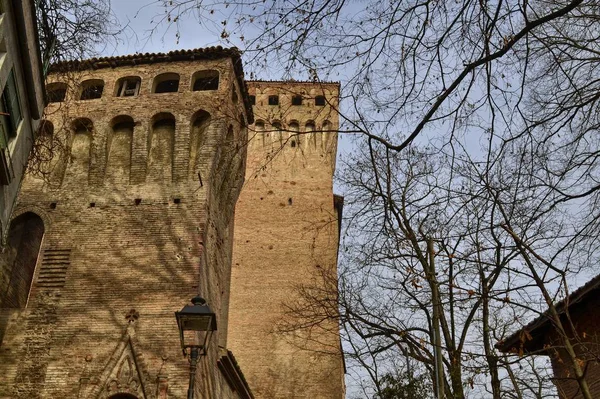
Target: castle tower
x,y
285,242
132,220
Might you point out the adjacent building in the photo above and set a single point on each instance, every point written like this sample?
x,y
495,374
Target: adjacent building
x,y
21,108
540,337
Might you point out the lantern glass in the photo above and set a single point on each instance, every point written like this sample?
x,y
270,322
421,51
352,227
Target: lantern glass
x,y
196,323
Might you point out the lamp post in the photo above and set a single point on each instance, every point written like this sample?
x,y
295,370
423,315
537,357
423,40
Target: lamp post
x,y
196,324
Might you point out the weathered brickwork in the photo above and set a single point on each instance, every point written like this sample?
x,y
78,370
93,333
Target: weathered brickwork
x,y
139,210
587,347
286,237
138,217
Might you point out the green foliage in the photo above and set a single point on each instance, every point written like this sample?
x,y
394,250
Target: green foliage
x,y
403,386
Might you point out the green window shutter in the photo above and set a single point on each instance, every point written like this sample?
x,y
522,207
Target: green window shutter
x,y
10,98
3,138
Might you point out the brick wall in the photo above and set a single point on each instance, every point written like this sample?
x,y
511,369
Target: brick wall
x,y
587,346
286,236
126,212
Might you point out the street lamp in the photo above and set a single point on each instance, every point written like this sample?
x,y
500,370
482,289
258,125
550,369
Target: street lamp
x,y
196,324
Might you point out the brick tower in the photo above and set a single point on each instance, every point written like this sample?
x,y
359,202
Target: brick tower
x,y
135,216
131,221
286,238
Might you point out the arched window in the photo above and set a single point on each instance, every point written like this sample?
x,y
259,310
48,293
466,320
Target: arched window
x,y
294,127
160,150
166,83
119,150
310,126
24,242
200,123
46,129
79,161
128,86
91,89
56,92
205,80
320,101
276,127
229,138
259,126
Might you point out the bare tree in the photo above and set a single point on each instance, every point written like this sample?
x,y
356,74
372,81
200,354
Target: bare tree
x,y
75,29
69,30
473,192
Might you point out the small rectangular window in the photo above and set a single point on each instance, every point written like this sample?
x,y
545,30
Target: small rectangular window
x,y
206,83
11,106
253,100
167,86
56,95
92,92
129,88
320,100
273,100
297,100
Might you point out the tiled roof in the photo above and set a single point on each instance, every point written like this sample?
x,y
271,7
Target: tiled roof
x,y
543,320
294,82
208,53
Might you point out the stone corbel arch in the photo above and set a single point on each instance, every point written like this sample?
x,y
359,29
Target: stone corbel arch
x,y
21,209
125,375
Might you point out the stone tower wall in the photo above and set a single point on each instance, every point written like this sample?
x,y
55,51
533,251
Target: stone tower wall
x,y
286,239
131,233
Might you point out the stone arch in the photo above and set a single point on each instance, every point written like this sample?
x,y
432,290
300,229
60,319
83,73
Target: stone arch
x,y
166,83
277,132
205,80
120,139
229,137
161,141
81,148
44,154
326,129
199,126
259,130
24,241
56,92
91,89
309,129
20,210
294,128
123,396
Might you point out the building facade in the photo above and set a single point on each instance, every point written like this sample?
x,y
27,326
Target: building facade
x,y
21,107
541,337
286,242
134,218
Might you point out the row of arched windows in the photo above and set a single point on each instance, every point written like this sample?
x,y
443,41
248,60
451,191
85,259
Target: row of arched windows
x,y
296,100
130,86
119,145
293,126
